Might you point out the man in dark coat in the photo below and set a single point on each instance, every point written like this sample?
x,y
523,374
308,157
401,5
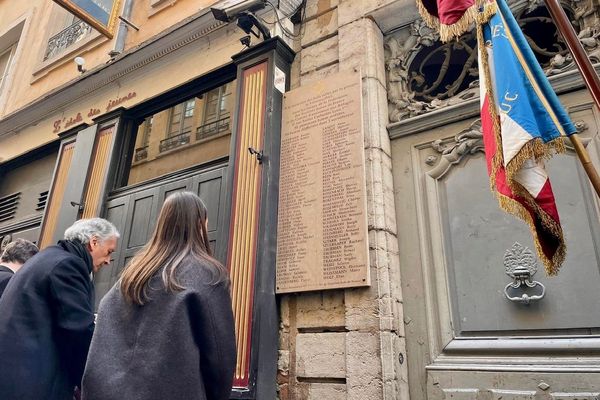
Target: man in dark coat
x,y
46,315
14,256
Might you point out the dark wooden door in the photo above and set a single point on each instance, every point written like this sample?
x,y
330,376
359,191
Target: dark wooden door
x,y
134,212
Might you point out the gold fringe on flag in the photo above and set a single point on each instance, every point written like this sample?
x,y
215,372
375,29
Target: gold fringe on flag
x,y
515,208
480,12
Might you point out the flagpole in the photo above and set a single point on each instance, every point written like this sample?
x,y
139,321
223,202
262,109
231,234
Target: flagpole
x,y
589,76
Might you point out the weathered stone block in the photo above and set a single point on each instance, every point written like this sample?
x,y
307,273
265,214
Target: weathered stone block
x,y
375,115
319,74
324,391
363,364
283,392
321,355
284,311
283,362
362,308
319,54
381,212
320,309
361,47
351,10
320,27
295,73
318,7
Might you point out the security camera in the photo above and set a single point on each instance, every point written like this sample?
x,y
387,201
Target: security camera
x,y
80,61
229,10
246,40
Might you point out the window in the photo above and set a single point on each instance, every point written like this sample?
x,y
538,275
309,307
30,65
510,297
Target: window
x,y
68,30
192,132
147,130
5,58
181,118
141,148
9,45
216,112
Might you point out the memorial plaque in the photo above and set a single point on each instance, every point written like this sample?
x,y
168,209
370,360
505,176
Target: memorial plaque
x,y
322,227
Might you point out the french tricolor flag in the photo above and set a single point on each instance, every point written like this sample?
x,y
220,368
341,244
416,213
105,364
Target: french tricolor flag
x,y
521,118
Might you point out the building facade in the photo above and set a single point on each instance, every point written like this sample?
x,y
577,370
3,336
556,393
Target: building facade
x,y
174,100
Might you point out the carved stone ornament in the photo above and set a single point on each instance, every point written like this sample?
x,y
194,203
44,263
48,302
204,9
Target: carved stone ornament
x,y
424,74
467,142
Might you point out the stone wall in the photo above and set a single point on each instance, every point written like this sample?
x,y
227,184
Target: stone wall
x,y
349,344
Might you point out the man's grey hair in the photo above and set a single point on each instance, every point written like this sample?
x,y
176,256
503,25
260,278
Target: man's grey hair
x,y
84,230
19,251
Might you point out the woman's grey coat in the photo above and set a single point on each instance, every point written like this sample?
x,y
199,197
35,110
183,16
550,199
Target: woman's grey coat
x,y
178,346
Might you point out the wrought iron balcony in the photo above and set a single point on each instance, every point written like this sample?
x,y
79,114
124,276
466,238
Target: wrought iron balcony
x,y
141,153
65,38
174,141
212,128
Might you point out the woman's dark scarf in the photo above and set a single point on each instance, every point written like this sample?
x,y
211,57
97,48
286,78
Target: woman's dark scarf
x,y
77,248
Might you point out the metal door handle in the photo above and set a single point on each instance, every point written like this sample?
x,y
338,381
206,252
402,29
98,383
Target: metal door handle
x,y
525,298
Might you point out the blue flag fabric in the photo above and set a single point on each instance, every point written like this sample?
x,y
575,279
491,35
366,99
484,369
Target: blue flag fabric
x,y
522,90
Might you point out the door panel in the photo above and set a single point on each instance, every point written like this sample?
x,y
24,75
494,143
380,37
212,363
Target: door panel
x,y
142,218
465,339
469,385
173,187
116,212
476,273
212,189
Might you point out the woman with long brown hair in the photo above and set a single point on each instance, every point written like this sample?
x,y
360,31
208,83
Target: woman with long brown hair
x,y
166,330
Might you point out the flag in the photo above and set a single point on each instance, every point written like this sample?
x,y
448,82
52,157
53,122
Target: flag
x,y
522,122
451,18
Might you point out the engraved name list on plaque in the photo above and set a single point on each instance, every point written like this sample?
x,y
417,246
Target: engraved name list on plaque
x,y
322,225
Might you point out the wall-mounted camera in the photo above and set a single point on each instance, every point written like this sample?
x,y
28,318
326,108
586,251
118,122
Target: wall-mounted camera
x,y
229,10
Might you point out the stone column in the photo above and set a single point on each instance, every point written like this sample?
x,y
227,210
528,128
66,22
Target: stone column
x,y
349,344
375,339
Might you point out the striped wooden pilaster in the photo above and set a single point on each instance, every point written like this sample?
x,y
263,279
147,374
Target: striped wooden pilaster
x,y
56,194
245,209
97,177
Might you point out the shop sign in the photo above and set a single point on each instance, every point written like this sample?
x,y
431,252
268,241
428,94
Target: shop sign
x,y
77,118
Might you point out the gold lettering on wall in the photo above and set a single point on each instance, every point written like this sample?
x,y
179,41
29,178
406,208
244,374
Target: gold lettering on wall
x,y
68,122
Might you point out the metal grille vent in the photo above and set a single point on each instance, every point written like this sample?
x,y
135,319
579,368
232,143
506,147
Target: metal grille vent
x,y
42,201
289,7
8,206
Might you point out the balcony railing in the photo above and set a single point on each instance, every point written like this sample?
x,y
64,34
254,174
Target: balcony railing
x,y
141,153
66,37
212,128
174,141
